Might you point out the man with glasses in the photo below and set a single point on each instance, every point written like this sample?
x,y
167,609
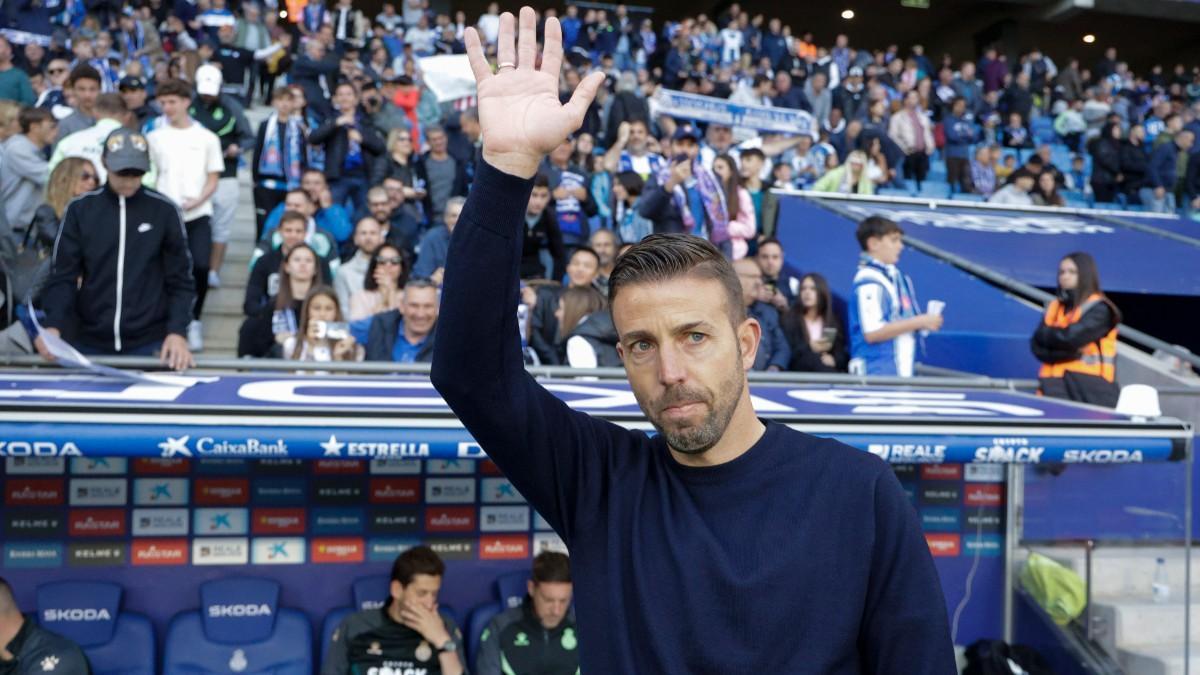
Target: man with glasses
x,y
121,276
51,97
399,227
111,113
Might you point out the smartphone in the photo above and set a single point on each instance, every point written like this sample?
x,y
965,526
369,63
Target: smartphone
x,y
829,334
333,330
680,158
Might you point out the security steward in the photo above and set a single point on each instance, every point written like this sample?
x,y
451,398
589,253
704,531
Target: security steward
x,y
407,636
26,648
539,636
1077,339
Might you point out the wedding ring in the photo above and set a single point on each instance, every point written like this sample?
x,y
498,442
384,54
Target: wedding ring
x,y
507,64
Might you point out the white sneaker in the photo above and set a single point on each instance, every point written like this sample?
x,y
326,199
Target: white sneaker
x,y
214,279
195,336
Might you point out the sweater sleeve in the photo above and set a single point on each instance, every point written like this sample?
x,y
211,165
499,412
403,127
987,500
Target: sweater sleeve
x,y
554,456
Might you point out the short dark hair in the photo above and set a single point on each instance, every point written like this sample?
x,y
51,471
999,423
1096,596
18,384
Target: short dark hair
x,y
585,249
541,180
83,72
31,116
875,226
754,152
289,216
659,257
300,192
632,181
551,567
770,240
414,561
174,87
369,283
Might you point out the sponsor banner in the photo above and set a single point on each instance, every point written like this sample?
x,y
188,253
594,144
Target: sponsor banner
x,y
944,545
15,466
97,523
983,494
941,519
984,520
504,547
159,552
97,554
160,491
221,447
449,490
906,471
941,472
33,492
213,522
337,550
465,467
221,466
372,449
450,519
338,466
280,491
499,491
98,492
396,520
35,447
539,522
34,524
504,519
386,550
160,522
453,549
723,111
157,466
33,554
222,491
548,541
278,521
220,551
395,491
280,467
277,551
347,520
958,449
983,473
99,466
990,545
384,466
338,490
940,494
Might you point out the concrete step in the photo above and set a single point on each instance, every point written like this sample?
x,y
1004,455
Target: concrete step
x,y
1129,571
1158,659
1138,620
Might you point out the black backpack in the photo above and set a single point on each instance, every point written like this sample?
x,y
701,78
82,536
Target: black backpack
x,y
995,657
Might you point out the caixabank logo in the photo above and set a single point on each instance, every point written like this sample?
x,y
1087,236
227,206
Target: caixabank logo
x,y
99,466
33,492
160,491
277,551
499,491
217,522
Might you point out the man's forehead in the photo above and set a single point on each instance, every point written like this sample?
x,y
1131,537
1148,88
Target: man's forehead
x,y
671,303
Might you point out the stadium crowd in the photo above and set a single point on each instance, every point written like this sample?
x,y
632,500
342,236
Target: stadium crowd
x,y
359,171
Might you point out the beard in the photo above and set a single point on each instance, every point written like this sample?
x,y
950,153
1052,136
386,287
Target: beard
x,y
698,437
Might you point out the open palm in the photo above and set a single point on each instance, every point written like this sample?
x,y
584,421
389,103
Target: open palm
x,y
519,112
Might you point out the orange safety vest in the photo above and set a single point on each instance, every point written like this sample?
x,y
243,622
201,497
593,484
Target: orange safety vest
x,y
1097,358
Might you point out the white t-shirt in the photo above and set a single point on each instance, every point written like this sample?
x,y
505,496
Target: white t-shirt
x,y
183,159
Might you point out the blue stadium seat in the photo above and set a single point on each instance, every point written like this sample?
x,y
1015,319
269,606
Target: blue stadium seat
x,y
893,192
934,189
371,592
967,197
89,613
512,587
239,627
476,623
1043,130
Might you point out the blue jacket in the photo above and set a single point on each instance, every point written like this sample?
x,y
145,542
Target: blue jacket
x,y
431,253
773,348
1160,171
960,134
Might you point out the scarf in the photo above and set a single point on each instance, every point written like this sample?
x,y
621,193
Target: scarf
x,y
905,293
134,42
282,158
314,17
710,193
316,153
408,101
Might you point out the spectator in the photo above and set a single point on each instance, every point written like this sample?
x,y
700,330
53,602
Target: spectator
x,y
14,83
739,208
1016,191
84,82
546,611
766,203
586,336
111,113
819,96
404,335
1076,179
351,145
1133,163
787,96
399,226
1015,134
1106,163
884,314
961,133
408,633
849,178
325,336
1070,125
627,196
773,352
435,245
850,96
582,272
263,284
85,272
1077,338
447,176
983,172
627,107
572,202
685,196
26,648
1070,82
313,73
279,157
264,332
814,333
1172,125
401,162
316,236
51,96
543,255
630,152
1018,99
382,285
1164,180
779,286
368,237
75,177
23,170
1045,191
604,243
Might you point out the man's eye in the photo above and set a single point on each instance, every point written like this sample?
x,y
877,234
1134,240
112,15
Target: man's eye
x,y
696,337
641,346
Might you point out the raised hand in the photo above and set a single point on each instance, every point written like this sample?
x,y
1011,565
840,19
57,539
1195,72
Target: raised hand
x,y
519,111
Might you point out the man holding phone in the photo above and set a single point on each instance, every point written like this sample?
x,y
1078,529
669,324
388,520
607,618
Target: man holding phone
x,y
677,200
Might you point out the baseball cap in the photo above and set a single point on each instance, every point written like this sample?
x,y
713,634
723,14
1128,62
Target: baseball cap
x,y
855,72
126,150
208,80
129,82
686,131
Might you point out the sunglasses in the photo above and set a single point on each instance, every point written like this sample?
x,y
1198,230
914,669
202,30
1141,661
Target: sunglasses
x,y
56,71
89,176
394,260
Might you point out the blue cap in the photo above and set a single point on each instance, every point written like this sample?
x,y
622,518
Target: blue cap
x,y
686,131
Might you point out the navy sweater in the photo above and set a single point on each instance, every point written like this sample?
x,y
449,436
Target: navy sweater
x,y
801,556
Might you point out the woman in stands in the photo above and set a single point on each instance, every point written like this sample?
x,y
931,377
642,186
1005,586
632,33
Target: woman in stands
x,y
403,162
263,333
585,329
815,334
383,283
742,224
72,177
1077,338
1045,191
849,178
326,335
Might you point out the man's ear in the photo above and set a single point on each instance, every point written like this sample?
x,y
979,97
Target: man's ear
x,y
749,335
621,352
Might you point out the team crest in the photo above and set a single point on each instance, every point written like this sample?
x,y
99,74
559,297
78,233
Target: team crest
x,y
569,641
375,649
424,651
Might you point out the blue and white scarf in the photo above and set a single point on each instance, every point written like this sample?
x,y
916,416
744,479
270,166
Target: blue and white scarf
x,y
282,158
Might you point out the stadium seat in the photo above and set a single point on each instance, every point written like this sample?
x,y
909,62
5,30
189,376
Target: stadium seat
x,y
512,587
893,192
371,592
476,623
89,613
967,197
239,628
